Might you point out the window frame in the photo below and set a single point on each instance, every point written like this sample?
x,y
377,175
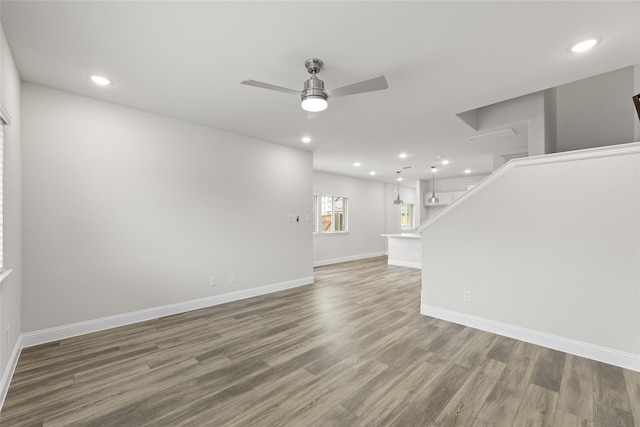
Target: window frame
x,y
5,120
317,200
403,210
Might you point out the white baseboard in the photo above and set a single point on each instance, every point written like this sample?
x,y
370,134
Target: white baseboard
x,y
402,263
30,339
329,261
9,370
578,348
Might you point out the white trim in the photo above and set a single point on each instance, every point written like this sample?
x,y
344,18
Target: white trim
x,y
567,345
30,339
329,261
10,369
568,156
402,263
5,117
330,233
4,274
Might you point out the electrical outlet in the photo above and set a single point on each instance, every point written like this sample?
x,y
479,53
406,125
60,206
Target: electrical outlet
x,y
213,281
467,296
232,279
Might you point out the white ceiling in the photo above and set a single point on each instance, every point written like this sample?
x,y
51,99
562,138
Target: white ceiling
x,y
186,60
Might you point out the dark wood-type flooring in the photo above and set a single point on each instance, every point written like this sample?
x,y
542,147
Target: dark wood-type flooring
x,y
350,350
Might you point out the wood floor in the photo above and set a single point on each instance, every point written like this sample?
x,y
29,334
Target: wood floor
x,y
350,350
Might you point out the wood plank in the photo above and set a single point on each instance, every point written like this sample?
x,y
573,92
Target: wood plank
x,y
480,423
426,408
576,390
476,350
549,369
632,380
414,381
610,388
504,400
538,407
467,402
335,417
606,415
502,348
566,419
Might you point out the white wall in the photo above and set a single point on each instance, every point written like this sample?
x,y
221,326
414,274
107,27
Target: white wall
x,y
10,288
366,219
126,210
551,248
528,108
597,111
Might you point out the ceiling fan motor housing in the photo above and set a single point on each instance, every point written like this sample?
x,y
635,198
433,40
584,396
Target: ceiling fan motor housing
x,y
314,87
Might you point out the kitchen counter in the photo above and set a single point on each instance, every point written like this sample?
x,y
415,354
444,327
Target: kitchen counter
x,y
404,249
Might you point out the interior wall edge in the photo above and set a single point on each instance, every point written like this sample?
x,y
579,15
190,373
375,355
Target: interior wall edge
x,y
10,369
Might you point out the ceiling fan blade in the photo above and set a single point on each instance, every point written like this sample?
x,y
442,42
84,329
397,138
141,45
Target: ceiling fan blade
x,y
270,86
377,83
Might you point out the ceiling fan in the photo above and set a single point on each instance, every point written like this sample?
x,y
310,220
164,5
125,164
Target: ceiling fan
x,y
314,95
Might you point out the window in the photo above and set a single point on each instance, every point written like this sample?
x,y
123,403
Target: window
x,y
406,216
329,213
4,120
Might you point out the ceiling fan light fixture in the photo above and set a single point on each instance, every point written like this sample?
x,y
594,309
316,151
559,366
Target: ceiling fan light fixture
x,y
314,103
314,98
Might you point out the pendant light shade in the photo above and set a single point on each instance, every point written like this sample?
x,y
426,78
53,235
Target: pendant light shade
x,y
433,199
397,201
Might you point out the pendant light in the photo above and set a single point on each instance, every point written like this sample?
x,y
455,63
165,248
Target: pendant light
x,y
433,198
398,201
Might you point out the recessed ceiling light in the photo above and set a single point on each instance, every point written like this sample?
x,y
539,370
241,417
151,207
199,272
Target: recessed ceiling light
x,y
403,155
585,45
399,178
356,164
467,171
306,139
372,173
100,80
445,161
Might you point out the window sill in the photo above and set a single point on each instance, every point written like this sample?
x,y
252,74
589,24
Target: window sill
x,y
331,233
